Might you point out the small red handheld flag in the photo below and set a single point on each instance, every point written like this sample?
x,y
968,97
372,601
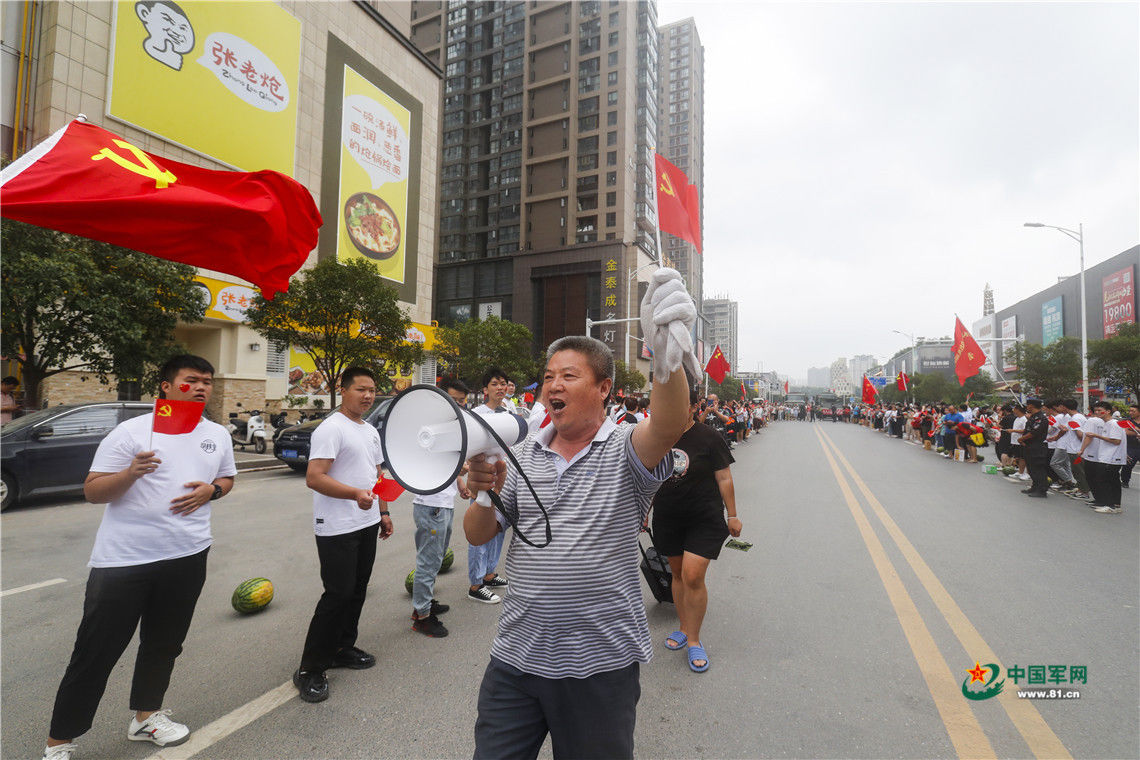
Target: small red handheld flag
x,y
1074,425
387,490
1127,425
717,366
174,417
84,180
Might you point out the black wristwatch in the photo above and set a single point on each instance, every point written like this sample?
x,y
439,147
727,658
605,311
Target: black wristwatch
x,y
385,514
217,492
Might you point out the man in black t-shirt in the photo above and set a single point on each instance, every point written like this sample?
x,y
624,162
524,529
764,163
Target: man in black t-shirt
x,y
689,526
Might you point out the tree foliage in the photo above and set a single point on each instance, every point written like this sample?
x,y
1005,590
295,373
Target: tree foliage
x,y
729,390
627,380
341,315
69,303
470,347
1050,371
1117,359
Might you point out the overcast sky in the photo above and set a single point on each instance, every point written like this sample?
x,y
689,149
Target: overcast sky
x,y
868,166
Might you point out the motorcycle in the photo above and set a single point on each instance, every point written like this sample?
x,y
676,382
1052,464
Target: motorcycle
x,y
278,423
249,432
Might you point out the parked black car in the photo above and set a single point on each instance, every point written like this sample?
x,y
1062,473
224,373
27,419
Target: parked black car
x,y
292,445
49,451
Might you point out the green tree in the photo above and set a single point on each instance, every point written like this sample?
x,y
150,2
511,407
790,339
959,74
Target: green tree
x,y
729,390
1049,371
70,303
470,347
1117,359
626,379
931,387
342,315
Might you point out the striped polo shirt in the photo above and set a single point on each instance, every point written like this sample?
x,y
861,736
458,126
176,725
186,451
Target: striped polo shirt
x,y
575,607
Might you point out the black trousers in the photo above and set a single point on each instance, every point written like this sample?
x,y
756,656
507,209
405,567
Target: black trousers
x,y
158,598
1104,480
346,566
585,717
1037,465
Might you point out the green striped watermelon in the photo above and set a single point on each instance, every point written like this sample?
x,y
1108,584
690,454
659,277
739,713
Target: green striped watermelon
x,y
448,560
409,581
253,595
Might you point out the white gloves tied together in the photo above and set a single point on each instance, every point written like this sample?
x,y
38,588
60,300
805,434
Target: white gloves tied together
x,y
667,317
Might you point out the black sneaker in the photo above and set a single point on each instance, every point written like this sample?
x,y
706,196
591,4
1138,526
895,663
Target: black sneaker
x,y
312,684
484,595
497,582
429,626
438,608
351,657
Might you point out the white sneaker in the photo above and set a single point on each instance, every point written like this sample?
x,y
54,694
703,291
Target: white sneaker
x,y
159,729
1024,476
59,751
1108,510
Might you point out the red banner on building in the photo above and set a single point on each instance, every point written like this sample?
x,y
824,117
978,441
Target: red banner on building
x,y
1119,291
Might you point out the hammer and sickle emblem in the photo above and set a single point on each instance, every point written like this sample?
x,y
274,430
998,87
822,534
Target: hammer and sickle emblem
x,y
147,168
667,185
164,411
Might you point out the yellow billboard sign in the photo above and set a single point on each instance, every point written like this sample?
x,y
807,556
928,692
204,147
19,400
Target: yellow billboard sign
x,y
224,300
374,166
219,78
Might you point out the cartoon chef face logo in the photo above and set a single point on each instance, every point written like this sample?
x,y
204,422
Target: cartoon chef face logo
x,y
680,463
169,33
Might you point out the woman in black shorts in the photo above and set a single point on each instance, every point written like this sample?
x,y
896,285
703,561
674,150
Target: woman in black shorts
x,y
689,526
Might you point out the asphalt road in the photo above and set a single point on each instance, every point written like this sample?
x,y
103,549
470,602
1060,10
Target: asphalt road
x,y
880,575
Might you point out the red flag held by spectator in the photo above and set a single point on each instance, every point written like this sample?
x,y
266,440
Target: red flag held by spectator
x,y
968,355
174,417
387,490
903,382
678,207
84,180
717,366
868,391
785,387
743,393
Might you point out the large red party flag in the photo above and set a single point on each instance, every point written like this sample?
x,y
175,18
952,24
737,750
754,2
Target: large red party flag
x,y
785,387
678,207
743,393
968,355
174,417
902,382
717,366
84,180
868,391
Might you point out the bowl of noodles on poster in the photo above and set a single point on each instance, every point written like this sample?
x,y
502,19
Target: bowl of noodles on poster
x,y
372,226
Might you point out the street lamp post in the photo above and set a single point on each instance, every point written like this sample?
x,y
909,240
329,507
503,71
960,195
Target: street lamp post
x,y
913,355
1078,235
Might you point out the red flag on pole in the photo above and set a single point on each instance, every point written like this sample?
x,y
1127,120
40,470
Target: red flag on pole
x,y
84,180
743,393
678,207
903,382
968,355
717,366
174,417
785,387
868,391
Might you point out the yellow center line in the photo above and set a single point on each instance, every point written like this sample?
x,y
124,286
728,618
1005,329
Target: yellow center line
x,y
965,732
1025,717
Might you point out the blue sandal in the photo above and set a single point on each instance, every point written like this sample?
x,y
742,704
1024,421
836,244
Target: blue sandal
x,y
678,638
698,653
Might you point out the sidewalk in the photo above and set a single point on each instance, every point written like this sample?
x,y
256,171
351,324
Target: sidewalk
x,y
248,460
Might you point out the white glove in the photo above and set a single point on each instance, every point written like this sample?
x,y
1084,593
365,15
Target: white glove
x,y
667,317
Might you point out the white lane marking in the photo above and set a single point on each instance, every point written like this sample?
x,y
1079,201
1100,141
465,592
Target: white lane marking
x,y
207,736
32,586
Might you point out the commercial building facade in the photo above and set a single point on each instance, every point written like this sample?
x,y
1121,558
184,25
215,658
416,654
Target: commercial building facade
x,y
326,70
721,328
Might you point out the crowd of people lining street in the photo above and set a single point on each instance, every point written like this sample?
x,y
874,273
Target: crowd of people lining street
x,y
1048,444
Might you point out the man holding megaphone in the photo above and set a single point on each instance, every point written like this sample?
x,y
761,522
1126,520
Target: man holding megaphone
x,y
573,631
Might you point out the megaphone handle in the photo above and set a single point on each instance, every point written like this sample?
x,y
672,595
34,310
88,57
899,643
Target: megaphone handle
x,y
483,498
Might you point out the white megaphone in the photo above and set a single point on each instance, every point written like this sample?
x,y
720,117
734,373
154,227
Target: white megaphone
x,y
427,437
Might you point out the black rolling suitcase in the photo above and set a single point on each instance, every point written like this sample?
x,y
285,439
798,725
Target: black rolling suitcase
x,y
656,570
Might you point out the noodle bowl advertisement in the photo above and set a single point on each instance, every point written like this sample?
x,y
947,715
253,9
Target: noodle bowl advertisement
x,y
374,170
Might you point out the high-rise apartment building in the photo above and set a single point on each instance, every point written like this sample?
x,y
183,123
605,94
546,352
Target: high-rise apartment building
x,y
548,122
840,380
681,132
859,365
819,377
721,328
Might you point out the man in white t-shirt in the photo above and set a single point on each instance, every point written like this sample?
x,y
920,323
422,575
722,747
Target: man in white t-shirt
x,y
148,564
1071,443
482,560
1111,453
344,465
434,515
